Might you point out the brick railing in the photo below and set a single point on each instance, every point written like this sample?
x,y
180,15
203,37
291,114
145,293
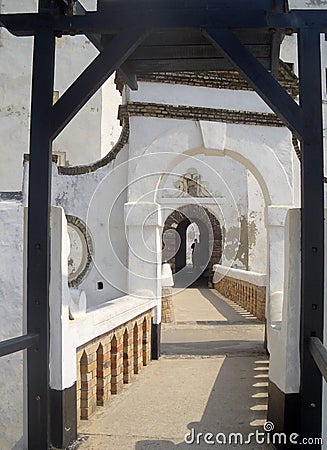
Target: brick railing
x,y
247,289
111,360
167,314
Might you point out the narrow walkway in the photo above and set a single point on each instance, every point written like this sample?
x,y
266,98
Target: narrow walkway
x,y
212,378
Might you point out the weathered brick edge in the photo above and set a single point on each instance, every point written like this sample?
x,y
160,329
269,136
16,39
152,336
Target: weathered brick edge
x,y
111,360
296,146
78,223
248,295
223,79
209,114
167,313
88,168
171,112
197,113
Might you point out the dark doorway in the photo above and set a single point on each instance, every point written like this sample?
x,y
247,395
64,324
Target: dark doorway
x,y
175,244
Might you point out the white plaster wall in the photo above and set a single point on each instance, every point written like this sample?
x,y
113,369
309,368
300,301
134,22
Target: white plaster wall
x,y
266,151
198,96
259,279
18,6
11,324
81,138
257,232
268,154
305,4
67,335
226,183
90,135
288,51
283,329
15,75
289,54
110,125
95,128
98,199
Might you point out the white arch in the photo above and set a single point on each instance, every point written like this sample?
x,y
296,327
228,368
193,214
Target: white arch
x,y
259,149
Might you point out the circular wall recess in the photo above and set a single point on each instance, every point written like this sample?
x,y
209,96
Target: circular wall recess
x,y
81,251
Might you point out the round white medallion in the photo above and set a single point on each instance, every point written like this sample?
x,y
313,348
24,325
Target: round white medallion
x,y
77,258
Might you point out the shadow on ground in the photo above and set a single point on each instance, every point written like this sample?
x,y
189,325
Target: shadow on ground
x,y
213,348
237,404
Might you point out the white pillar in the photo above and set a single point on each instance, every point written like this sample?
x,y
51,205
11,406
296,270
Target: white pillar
x,y
144,224
283,298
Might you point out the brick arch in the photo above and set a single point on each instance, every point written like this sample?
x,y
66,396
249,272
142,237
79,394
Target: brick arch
x,y
178,221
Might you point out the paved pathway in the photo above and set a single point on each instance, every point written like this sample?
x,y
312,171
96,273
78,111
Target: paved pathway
x,y
212,378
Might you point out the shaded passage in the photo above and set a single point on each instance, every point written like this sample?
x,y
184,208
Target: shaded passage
x,y
212,378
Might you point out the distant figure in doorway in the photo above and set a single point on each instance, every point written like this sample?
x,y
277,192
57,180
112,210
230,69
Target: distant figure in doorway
x,y
195,254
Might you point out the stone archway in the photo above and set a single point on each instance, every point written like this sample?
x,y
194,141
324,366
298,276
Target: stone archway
x,y
174,237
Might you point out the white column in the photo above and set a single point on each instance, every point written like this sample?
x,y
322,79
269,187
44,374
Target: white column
x,y
144,225
283,298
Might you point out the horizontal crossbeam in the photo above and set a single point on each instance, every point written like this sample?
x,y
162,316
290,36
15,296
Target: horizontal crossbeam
x,y
167,15
319,353
115,15
18,343
258,77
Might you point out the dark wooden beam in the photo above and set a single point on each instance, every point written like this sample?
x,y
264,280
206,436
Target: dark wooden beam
x,y
184,65
128,74
201,16
18,343
276,41
38,240
194,36
312,229
44,6
94,38
258,77
158,52
114,16
109,60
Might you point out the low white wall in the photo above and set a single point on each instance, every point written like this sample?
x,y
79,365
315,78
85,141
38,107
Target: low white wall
x,y
258,279
98,199
284,335
67,335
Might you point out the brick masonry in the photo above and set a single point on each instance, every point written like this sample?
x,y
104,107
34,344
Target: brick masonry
x,y
108,361
212,79
222,79
184,112
167,305
248,295
88,168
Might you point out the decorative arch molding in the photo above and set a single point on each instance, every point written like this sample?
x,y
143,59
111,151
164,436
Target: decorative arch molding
x,y
110,156
81,251
217,139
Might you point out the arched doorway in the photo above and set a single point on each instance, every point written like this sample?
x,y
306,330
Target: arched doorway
x,y
176,245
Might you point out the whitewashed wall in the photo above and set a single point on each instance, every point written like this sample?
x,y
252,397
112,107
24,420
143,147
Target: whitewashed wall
x,y
98,199
257,226
90,135
226,183
11,324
